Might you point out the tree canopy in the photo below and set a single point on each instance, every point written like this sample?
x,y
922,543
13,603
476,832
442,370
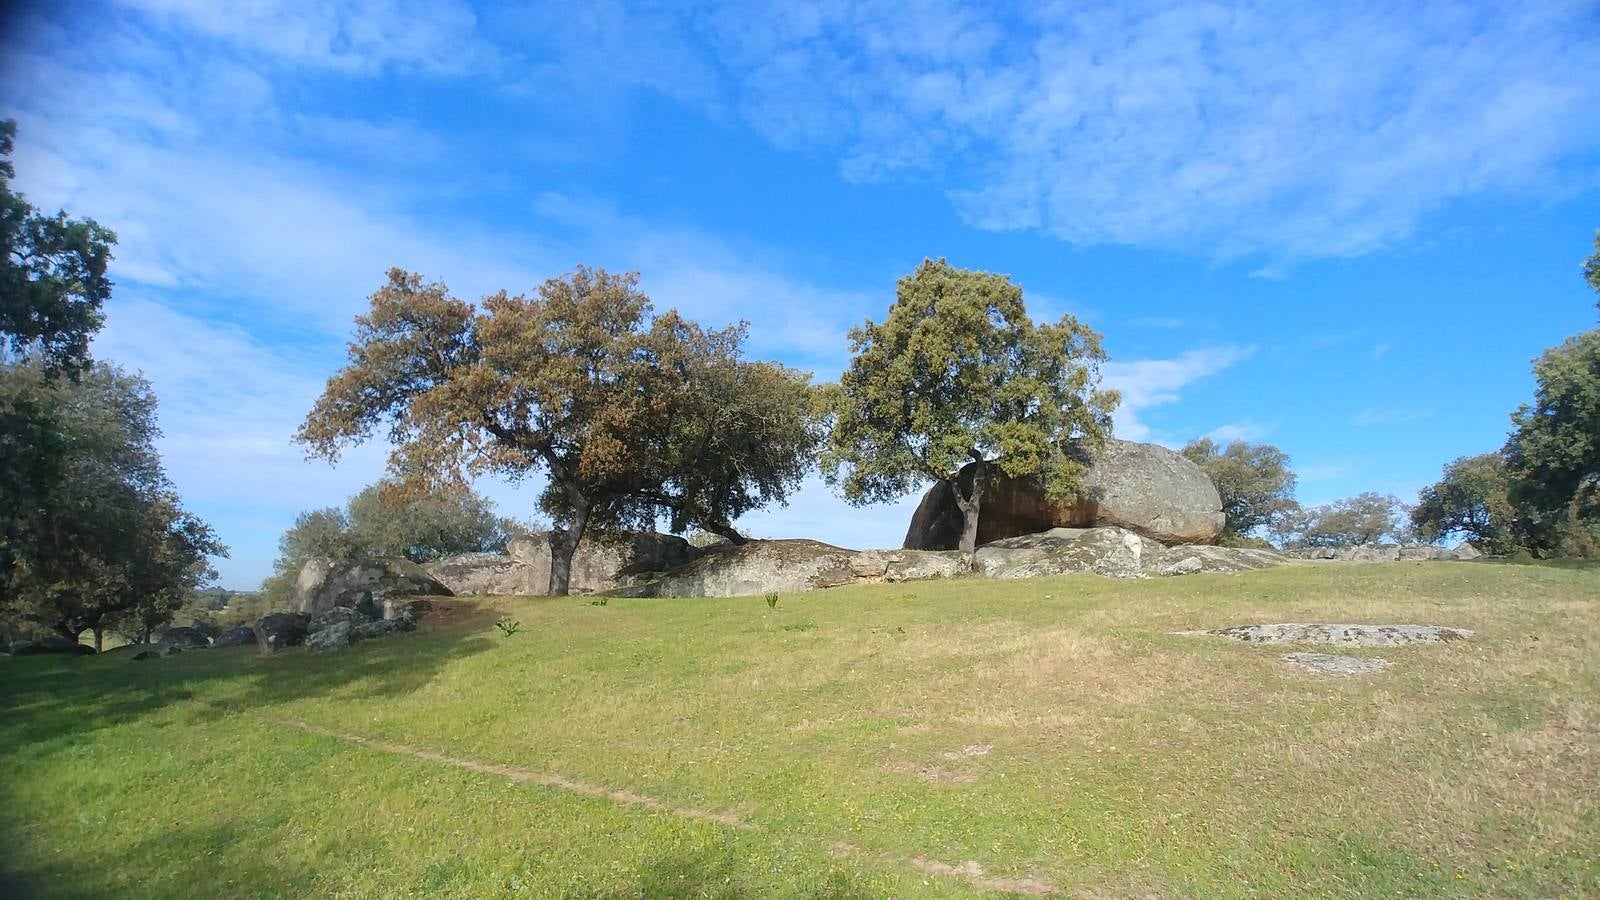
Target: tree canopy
x,y
581,381
53,278
1367,518
1255,481
1473,499
1553,454
957,372
108,539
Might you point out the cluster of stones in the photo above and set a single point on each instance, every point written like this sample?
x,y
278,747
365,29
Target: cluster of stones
x,y
1387,552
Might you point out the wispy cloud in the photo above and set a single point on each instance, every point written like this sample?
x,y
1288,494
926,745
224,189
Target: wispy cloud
x,y
1292,131
1246,430
1389,416
1149,383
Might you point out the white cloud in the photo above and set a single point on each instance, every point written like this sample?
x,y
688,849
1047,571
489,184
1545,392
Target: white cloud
x,y
1246,430
1291,130
1379,415
1149,383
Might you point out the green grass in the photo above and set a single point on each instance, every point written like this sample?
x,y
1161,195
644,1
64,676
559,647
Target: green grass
x,y
1123,760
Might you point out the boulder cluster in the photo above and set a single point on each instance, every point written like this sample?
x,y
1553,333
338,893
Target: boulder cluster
x,y
1387,552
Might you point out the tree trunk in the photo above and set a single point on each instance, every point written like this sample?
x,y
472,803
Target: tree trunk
x,y
728,531
970,507
98,643
563,545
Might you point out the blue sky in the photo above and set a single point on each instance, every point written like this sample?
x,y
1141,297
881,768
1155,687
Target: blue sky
x,y
1344,229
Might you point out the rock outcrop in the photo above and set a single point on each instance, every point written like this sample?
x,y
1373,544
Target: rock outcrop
x,y
1111,552
236,636
324,584
479,574
603,561
1144,488
753,568
1369,553
275,631
1340,634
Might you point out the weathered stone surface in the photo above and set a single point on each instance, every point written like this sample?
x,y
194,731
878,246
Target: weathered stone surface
x,y
406,608
1371,553
236,636
753,568
603,561
334,637
1332,664
1189,559
1144,488
479,574
382,628
184,638
346,614
50,644
1466,550
1348,635
275,631
324,584
921,565
1111,552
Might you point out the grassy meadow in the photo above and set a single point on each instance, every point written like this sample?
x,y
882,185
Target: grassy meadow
x,y
955,738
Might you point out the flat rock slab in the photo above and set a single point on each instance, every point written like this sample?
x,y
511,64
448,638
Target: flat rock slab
x,y
1332,664
1345,635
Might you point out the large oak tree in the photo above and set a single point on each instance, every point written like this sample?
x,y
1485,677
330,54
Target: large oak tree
x,y
580,381
959,373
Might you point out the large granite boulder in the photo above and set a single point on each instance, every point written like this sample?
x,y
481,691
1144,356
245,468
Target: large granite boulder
x,y
324,584
757,567
1143,488
909,565
476,574
236,636
603,560
1111,552
275,631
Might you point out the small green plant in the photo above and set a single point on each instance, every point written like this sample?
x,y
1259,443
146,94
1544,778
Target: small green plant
x,y
508,626
772,600
600,601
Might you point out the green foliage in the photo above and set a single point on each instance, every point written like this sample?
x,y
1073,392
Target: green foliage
x,y
772,599
508,626
103,540
1553,454
52,275
1363,519
1472,499
629,414
959,373
1591,267
1255,482
387,519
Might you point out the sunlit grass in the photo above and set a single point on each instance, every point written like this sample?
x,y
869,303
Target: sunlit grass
x,y
1114,758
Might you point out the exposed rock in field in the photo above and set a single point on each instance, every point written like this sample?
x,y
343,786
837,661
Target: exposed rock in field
x,y
1112,552
275,631
184,638
334,637
346,614
1190,559
50,644
324,584
603,561
908,565
235,636
1370,553
1348,635
1331,664
753,568
382,628
1466,550
476,574
1144,488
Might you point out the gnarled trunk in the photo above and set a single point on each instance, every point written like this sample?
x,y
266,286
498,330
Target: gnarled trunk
x,y
563,545
970,507
726,530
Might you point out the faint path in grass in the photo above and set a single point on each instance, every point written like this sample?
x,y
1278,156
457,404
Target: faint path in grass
x,y
970,871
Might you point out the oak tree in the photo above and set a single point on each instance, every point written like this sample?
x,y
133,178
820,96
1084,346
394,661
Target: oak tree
x,y
956,373
1255,482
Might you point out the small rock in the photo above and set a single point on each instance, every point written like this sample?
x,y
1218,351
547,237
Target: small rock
x,y
184,638
1332,664
236,636
276,631
146,654
382,628
1189,565
174,650
346,614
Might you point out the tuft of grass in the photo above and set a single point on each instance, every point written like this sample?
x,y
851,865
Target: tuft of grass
x,y
508,626
772,600
1118,758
